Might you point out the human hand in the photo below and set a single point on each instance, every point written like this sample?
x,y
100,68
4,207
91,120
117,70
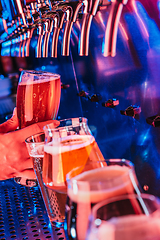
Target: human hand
x,y
11,124
14,157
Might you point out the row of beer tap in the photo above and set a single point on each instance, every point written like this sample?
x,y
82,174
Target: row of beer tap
x,y
22,18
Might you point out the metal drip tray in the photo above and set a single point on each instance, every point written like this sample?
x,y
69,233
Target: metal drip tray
x,y
23,214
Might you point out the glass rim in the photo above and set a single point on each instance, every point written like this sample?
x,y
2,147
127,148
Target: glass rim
x,y
49,126
73,180
123,197
40,72
34,135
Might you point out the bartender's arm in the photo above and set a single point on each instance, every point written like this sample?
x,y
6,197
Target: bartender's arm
x,y
14,157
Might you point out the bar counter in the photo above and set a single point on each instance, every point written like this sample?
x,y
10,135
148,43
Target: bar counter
x,y
23,215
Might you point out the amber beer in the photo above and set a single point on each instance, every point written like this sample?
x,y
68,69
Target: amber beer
x,y
73,151
38,99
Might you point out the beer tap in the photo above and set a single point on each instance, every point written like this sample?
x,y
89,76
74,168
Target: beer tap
x,y
50,24
23,44
18,5
3,13
27,42
20,24
71,11
10,24
58,24
33,15
40,32
43,6
112,27
90,9
45,25
25,30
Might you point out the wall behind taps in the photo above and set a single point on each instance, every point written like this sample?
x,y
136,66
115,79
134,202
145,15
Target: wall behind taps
x,y
132,77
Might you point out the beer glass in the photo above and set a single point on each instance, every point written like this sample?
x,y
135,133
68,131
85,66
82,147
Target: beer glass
x,y
54,204
38,99
66,147
69,145
126,217
92,183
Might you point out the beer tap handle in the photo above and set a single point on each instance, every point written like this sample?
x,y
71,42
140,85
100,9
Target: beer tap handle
x,y
112,27
90,9
71,10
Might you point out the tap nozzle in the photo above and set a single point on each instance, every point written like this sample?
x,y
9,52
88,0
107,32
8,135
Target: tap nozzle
x,y
71,10
112,27
40,31
29,34
90,10
48,29
58,24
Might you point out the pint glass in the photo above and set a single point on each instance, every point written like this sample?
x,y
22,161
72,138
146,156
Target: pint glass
x,y
68,146
38,99
54,204
127,217
93,183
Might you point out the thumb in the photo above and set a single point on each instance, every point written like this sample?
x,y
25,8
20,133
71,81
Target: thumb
x,y
11,124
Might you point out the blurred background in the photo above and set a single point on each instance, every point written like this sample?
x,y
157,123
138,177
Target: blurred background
x,y
108,56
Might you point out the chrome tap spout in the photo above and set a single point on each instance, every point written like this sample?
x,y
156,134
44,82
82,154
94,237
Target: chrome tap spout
x,y
28,40
32,16
23,44
71,10
48,29
58,24
112,27
40,31
18,11
90,9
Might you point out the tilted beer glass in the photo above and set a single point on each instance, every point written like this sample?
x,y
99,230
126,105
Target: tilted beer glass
x,y
35,146
92,183
126,217
38,99
66,147
69,145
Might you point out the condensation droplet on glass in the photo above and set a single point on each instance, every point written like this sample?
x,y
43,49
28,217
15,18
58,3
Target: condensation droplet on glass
x,y
34,95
